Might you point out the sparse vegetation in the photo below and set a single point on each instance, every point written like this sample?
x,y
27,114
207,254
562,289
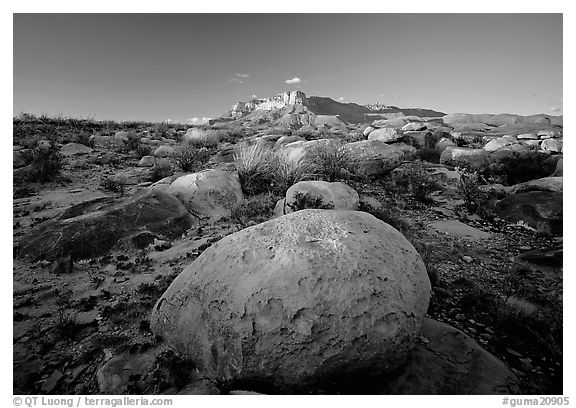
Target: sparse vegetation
x,y
331,161
114,184
428,154
160,170
302,201
255,165
191,158
46,162
143,150
256,209
417,182
469,190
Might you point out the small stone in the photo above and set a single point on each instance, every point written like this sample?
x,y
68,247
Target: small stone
x,y
467,259
52,382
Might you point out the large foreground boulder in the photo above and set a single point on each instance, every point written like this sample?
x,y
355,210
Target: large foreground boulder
x,y
311,297
448,362
374,157
208,193
92,228
541,210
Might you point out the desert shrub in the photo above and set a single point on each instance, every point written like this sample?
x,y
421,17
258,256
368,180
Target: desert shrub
x,y
132,141
428,154
287,172
519,167
469,190
161,169
255,166
46,162
201,137
161,130
84,138
331,161
234,134
113,184
191,158
417,182
143,150
257,208
302,201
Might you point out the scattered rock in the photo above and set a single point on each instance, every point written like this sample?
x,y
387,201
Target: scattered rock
x,y
374,157
147,161
120,372
208,193
459,229
451,363
164,151
72,149
386,135
312,296
337,195
541,210
91,228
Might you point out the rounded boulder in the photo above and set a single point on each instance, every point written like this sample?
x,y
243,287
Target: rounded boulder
x,y
208,193
336,195
311,297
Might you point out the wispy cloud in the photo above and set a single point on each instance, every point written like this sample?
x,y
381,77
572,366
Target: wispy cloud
x,y
554,109
294,80
237,80
530,95
198,121
254,96
241,75
341,99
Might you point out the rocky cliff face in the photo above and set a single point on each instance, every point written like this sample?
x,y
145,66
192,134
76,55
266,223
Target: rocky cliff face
x,y
306,108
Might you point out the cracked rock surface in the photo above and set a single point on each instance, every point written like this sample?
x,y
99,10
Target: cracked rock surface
x,y
313,296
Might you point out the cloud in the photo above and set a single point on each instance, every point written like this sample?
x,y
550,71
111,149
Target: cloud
x,y
241,75
341,99
254,96
238,81
554,109
198,121
294,80
529,94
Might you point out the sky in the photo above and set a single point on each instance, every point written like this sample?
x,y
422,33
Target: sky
x,y
182,67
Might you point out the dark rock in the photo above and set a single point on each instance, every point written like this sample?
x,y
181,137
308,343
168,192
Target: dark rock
x,y
541,210
92,228
450,363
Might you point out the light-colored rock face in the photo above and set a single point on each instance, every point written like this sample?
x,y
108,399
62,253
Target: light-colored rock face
x,y
386,135
164,151
367,131
279,101
337,195
209,193
374,157
147,161
298,299
284,140
297,151
414,126
453,155
499,143
527,136
554,184
395,123
551,145
443,143
548,134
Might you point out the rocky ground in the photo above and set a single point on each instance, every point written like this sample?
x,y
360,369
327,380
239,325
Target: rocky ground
x,y
82,326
